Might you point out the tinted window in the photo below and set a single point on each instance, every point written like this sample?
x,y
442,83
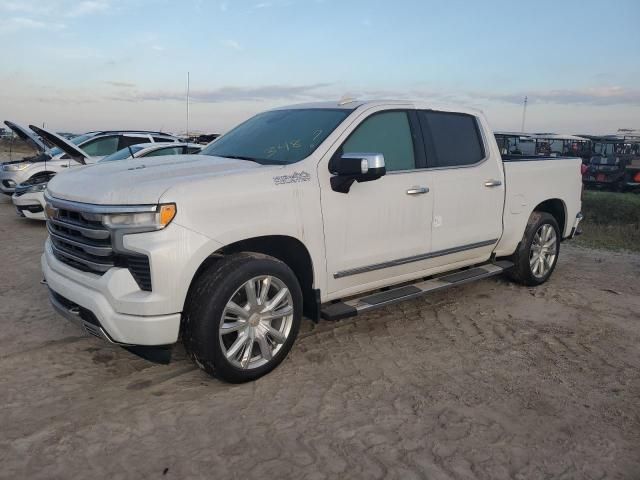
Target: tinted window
x,y
387,133
165,151
75,140
278,136
127,141
101,146
122,154
193,150
163,139
451,139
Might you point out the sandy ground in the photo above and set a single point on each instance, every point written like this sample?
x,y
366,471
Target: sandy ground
x,y
490,380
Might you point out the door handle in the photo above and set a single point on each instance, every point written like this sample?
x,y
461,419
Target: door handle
x,y
492,183
417,190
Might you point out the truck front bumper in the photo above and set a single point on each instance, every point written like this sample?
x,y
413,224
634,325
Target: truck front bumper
x,y
88,304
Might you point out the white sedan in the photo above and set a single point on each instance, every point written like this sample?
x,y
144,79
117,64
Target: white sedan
x,y
154,150
28,197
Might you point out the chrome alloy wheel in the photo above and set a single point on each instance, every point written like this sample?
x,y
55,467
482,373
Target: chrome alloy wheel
x,y
256,322
543,250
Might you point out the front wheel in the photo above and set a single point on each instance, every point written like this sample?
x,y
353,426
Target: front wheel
x,y
537,254
243,316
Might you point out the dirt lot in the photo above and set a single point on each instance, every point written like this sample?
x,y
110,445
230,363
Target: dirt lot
x,y
489,380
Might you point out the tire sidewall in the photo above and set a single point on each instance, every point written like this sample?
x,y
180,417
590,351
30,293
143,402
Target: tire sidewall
x,y
206,318
532,228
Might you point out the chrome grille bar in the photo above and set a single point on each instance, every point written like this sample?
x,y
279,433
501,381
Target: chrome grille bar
x,y
100,251
91,266
93,233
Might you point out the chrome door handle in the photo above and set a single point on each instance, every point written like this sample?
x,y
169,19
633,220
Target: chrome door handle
x,y
492,183
417,190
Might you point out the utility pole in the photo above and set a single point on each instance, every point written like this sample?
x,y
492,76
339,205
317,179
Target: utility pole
x,y
524,114
188,80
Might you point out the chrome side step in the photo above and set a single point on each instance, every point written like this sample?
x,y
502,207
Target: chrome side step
x,y
354,306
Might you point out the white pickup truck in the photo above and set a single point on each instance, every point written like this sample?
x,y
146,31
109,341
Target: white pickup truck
x,y
327,210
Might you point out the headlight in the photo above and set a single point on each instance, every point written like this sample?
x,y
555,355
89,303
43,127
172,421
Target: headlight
x,y
142,221
39,187
14,167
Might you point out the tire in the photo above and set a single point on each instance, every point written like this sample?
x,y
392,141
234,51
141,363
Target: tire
x,y
226,353
525,270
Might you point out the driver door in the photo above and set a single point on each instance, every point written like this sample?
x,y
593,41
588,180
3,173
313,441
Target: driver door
x,y
379,229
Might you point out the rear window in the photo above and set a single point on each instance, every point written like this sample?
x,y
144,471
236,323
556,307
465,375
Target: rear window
x,y
451,139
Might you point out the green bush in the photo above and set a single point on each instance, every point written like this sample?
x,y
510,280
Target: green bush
x,y
608,208
611,221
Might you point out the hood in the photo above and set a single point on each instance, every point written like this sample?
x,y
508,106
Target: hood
x,y
63,144
139,181
28,136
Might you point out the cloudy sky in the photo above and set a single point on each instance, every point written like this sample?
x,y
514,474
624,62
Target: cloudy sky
x,y
82,65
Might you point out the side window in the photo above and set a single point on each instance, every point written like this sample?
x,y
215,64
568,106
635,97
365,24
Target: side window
x,y
165,151
161,139
387,133
128,141
193,150
101,147
451,139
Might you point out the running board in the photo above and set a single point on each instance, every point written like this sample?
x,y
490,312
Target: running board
x,y
355,306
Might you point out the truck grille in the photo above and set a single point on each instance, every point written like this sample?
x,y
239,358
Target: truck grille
x,y
80,240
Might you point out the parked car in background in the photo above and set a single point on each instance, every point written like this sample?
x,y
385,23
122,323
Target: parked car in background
x,y
515,143
614,163
154,150
95,146
553,144
28,197
330,209
30,139
203,139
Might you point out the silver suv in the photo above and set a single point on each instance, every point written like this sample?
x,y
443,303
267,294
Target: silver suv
x,y
50,161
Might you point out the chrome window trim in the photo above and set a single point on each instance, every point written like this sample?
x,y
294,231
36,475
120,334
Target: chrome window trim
x,y
98,209
415,258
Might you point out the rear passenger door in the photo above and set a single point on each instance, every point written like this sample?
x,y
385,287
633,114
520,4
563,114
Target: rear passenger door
x,y
467,185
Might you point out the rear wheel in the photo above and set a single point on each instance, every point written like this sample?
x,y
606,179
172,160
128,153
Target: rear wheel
x,y
243,316
537,253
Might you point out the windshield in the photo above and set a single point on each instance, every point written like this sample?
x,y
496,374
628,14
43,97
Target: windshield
x,y
122,154
75,140
279,136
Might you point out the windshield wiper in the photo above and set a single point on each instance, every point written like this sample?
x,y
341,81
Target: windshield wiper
x,y
240,157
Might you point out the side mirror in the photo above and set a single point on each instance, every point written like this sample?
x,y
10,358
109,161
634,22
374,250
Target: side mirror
x,y
355,167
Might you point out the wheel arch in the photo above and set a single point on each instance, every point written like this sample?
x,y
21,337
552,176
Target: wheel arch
x,y
556,208
289,250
